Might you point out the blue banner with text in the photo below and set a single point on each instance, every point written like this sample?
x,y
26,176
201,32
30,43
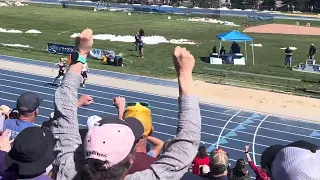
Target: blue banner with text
x,y
59,48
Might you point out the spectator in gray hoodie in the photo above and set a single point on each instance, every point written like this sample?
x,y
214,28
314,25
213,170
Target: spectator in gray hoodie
x,y
96,158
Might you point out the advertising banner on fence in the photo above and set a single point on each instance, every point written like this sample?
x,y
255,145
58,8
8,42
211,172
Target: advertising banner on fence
x,y
60,48
96,53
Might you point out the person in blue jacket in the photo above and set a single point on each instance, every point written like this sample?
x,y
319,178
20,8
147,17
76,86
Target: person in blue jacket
x,y
28,108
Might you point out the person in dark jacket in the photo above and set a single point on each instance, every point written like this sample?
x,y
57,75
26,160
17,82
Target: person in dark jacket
x,y
239,172
288,58
312,51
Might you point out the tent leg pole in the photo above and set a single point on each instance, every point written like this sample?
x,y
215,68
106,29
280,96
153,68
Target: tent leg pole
x,y
219,49
245,49
252,54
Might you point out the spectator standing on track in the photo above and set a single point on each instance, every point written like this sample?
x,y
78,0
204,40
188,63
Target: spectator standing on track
x,y
239,172
28,107
107,150
261,174
288,58
312,51
200,160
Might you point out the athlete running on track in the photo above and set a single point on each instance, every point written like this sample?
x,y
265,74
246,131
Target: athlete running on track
x,y
62,67
85,69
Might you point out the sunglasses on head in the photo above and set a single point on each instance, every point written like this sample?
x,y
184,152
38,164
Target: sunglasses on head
x,y
135,103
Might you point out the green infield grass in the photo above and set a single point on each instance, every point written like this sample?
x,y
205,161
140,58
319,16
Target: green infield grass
x,y
58,24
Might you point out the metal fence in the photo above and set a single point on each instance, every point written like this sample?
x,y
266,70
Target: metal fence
x,y
163,9
309,88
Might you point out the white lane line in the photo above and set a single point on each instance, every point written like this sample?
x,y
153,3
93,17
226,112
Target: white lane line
x,y
104,92
204,142
167,109
208,104
254,140
225,125
162,116
162,124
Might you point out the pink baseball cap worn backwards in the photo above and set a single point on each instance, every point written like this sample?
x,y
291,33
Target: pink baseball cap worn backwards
x,y
112,140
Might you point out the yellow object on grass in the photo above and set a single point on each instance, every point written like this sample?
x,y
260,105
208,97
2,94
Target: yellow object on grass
x,y
104,60
143,114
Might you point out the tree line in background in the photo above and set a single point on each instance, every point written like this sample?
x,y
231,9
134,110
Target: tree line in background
x,y
272,3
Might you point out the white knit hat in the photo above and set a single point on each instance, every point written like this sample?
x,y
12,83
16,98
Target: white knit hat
x,y
293,163
205,169
92,120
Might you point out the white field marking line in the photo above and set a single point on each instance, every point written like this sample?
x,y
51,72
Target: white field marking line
x,y
266,129
254,140
238,125
217,112
251,134
167,117
225,125
204,103
239,140
162,124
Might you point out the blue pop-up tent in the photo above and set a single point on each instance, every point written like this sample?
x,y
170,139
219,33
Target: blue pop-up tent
x,y
236,36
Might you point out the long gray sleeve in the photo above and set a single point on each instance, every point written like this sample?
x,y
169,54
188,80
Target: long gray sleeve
x,y
65,128
173,163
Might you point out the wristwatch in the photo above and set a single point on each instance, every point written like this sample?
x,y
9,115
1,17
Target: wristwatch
x,y
76,57
246,152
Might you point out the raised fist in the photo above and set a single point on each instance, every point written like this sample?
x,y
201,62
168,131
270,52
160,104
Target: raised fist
x,y
85,100
119,102
183,61
84,42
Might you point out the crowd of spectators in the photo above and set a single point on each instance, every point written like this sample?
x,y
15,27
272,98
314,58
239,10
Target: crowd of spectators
x,y
117,148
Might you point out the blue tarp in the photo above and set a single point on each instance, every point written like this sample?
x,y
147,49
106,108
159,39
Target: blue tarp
x,y
234,36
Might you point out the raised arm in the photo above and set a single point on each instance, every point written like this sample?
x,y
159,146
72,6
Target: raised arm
x,y
157,143
174,162
65,126
246,151
120,104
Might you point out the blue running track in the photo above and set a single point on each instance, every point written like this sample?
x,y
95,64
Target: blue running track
x,y
237,127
